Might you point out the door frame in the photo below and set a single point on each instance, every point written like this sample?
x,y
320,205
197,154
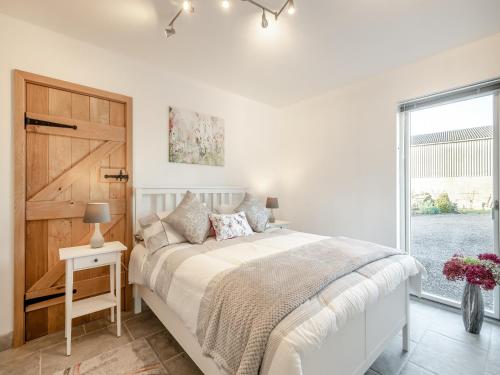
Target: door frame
x,y
20,80
404,193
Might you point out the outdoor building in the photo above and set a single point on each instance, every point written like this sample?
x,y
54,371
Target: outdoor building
x,y
456,162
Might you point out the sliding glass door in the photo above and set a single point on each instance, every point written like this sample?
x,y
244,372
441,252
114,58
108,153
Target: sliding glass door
x,y
451,180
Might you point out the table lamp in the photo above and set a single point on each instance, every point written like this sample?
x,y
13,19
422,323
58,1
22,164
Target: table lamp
x,y
272,203
97,213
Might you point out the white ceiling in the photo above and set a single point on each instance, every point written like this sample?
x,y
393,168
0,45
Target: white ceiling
x,y
326,44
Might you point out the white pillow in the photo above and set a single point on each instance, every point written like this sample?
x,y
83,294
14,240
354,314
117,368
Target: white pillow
x,y
230,226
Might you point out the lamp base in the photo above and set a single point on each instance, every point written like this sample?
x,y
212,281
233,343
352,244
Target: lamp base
x,y
97,239
272,219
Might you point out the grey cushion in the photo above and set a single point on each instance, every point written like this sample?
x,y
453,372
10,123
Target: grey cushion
x,y
255,211
190,219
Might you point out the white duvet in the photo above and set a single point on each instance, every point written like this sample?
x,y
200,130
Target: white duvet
x,y
180,273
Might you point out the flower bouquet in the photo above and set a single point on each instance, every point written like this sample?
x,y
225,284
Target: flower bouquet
x,y
483,272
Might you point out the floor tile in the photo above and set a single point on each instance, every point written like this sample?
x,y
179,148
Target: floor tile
x,y
27,365
493,361
446,356
182,365
134,358
38,344
412,369
96,325
83,348
164,345
393,359
450,324
495,337
144,324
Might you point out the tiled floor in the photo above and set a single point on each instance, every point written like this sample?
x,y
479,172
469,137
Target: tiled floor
x,y
439,346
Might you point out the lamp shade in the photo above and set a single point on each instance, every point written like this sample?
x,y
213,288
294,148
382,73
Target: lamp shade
x,y
272,202
97,213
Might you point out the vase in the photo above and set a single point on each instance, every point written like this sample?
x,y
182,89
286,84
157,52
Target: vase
x,y
472,308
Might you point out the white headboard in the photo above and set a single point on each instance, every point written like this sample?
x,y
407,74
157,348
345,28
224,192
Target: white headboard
x,y
151,200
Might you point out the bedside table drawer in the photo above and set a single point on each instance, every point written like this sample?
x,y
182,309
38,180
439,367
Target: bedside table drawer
x,y
94,261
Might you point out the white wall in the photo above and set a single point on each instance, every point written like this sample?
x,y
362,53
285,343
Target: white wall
x,y
341,175
247,123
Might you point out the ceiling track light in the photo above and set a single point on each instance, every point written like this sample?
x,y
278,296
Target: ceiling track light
x,y
188,7
264,22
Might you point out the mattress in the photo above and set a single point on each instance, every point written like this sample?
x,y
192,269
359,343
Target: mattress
x,y
179,274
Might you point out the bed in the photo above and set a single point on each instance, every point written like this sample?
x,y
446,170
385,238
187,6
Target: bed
x,y
340,331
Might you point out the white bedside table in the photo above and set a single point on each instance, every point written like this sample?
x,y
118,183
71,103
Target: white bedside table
x,y
84,257
282,224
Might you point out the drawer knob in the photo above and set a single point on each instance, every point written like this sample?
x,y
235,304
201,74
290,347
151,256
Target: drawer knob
x,y
95,260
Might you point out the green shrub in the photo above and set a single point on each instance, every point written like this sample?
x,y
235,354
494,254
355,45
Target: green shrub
x,y
428,208
444,204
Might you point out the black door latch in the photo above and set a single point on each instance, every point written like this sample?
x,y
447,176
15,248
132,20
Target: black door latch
x,y
119,177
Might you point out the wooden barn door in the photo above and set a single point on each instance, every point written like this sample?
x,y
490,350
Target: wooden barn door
x,y
68,137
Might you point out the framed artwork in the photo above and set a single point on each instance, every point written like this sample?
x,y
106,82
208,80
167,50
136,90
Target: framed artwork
x,y
195,138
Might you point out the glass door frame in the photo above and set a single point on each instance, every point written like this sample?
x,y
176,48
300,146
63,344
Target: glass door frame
x,y
404,195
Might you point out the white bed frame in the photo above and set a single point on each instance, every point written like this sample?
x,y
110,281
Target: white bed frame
x,y
351,350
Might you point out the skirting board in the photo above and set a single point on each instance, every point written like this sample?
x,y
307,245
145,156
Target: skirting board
x,y
6,341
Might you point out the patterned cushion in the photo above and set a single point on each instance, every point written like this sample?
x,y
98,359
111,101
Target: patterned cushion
x,y
153,233
190,219
255,211
230,226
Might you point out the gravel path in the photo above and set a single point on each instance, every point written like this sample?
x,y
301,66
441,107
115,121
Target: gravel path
x,y
435,238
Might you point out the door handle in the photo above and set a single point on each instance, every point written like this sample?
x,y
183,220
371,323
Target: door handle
x,y
494,208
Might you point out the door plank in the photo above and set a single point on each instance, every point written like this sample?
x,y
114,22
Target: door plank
x,y
37,99
85,129
80,189
118,158
99,113
65,180
36,251
51,210
36,233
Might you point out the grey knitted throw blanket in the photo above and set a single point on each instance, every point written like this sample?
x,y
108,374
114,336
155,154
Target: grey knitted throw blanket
x,y
242,306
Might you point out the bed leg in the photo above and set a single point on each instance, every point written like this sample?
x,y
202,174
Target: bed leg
x,y
137,299
406,338
406,327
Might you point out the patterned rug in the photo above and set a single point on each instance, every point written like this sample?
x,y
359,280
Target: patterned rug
x,y
134,358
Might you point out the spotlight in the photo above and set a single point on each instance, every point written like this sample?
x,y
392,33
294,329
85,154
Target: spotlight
x,y
291,7
225,4
264,23
169,31
187,6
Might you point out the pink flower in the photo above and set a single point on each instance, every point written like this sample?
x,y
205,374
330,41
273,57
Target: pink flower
x,y
454,269
488,256
480,275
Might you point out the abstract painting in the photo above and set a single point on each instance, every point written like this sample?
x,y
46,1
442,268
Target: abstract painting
x,y
195,138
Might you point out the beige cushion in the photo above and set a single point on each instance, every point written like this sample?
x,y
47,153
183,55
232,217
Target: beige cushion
x,y
255,211
153,233
230,226
190,219
173,236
